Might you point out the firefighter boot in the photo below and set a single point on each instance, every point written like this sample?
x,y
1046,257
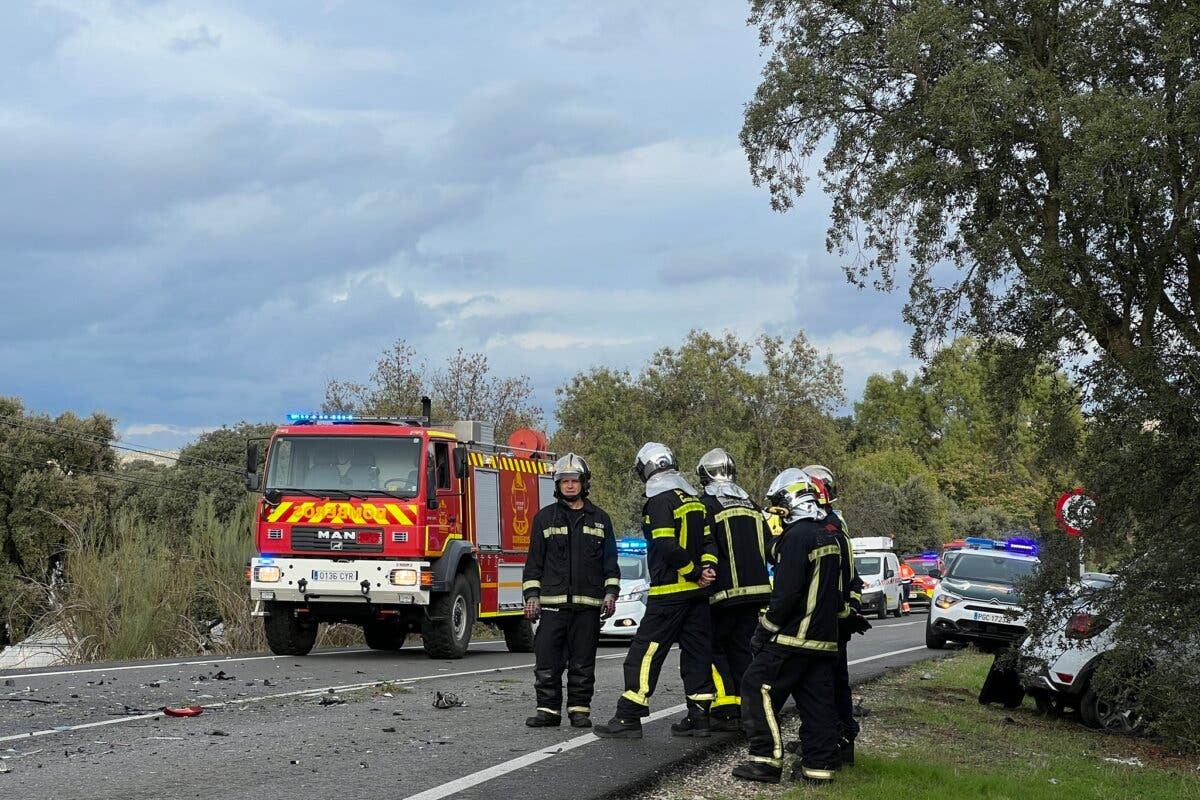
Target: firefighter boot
x,y
543,719
846,752
729,720
758,771
814,776
618,728
580,719
695,723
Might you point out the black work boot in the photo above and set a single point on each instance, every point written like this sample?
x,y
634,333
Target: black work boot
x,y
846,752
544,719
618,728
695,723
816,776
724,722
580,719
758,771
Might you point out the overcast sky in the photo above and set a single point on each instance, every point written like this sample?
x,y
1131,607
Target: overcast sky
x,y
209,209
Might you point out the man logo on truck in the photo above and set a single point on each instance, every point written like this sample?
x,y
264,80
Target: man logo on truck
x,y
348,536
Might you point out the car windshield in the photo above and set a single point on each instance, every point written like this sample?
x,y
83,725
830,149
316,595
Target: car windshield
x,y
345,463
632,567
921,566
996,569
868,565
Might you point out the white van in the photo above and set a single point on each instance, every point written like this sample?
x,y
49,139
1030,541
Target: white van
x,y
877,564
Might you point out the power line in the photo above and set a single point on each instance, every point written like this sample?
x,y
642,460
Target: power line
x,y
20,422
71,468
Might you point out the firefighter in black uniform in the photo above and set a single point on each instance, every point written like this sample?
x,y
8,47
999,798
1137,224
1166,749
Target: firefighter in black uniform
x,y
796,643
850,622
571,583
742,585
682,558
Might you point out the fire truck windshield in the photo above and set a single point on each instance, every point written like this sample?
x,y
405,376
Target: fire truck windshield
x,y
348,464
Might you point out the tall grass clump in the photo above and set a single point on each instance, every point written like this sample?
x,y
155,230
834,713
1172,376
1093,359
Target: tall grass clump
x,y
128,593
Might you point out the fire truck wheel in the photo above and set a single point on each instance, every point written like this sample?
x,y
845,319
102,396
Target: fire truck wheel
x,y
449,635
518,635
382,635
286,634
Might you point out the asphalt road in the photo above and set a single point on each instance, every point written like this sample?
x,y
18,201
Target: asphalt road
x,y
338,723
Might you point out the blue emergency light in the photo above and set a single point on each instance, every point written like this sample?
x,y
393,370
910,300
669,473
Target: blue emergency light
x,y
631,546
930,556
311,417
980,543
1019,545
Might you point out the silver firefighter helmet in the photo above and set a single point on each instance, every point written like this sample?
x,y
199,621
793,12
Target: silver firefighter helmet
x,y
572,466
825,476
652,459
793,490
715,465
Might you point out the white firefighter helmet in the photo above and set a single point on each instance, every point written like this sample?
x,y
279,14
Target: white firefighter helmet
x,y
715,465
825,476
652,459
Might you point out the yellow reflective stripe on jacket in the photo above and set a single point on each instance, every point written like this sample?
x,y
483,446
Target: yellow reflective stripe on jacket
x,y
766,623
814,585
662,533
577,599
555,531
592,531
531,585
827,550
613,582
675,588
685,569
681,514
708,558
806,644
740,591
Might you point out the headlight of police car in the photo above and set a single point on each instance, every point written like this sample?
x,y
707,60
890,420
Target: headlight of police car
x,y
267,574
403,577
946,600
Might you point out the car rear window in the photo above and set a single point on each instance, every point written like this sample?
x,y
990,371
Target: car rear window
x,y
921,566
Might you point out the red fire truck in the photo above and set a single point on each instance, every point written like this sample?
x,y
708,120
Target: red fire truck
x,y
396,525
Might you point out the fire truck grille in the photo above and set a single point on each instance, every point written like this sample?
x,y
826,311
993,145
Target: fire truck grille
x,y
337,540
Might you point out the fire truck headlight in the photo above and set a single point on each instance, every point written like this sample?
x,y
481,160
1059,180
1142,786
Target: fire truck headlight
x,y
267,574
403,577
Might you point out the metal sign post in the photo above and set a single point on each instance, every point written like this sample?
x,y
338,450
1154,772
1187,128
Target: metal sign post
x,y
1077,511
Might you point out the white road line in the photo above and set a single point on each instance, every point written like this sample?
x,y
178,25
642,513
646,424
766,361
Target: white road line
x,y
313,692
484,775
227,660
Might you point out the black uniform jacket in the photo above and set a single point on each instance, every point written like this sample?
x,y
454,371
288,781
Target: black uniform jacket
x,y
572,557
679,546
742,537
810,592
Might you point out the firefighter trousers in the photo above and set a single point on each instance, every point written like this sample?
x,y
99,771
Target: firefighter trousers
x,y
664,624
775,673
841,695
733,628
566,639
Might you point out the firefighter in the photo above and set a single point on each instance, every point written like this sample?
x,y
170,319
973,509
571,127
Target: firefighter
x,y
851,620
796,643
742,585
571,583
682,557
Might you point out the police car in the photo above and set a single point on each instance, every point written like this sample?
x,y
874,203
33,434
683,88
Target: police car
x,y
635,586
978,598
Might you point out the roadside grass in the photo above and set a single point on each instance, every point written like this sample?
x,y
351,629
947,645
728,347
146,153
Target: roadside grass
x,y
932,737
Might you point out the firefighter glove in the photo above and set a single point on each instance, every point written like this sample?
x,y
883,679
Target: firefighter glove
x,y
855,623
759,640
608,607
533,609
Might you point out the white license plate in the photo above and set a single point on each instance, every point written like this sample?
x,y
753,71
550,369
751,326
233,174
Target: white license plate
x,y
334,575
997,618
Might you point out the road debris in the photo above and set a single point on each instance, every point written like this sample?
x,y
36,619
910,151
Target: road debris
x,y
186,711
446,700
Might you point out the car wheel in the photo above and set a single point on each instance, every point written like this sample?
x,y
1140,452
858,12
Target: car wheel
x,y
932,640
882,612
1119,717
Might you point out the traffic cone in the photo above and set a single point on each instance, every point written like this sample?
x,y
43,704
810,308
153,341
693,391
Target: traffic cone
x,y
904,608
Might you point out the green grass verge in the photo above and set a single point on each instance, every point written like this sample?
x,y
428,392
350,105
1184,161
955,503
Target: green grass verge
x,y
932,738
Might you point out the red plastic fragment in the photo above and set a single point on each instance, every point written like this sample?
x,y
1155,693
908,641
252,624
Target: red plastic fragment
x,y
186,711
